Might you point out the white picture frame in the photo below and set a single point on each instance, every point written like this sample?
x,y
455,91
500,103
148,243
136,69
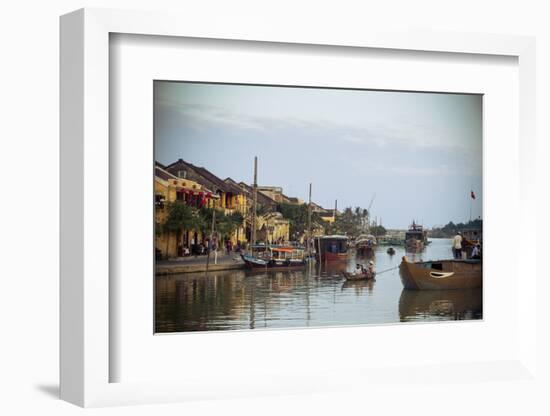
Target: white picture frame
x,y
86,355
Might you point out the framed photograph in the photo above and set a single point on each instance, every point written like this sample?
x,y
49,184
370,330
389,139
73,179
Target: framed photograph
x,y
235,252
249,213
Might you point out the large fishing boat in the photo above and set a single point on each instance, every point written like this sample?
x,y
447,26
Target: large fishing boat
x,y
440,274
416,237
262,256
331,248
364,244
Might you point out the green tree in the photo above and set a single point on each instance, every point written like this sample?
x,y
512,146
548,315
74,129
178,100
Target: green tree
x,y
297,216
378,230
224,225
450,229
180,217
351,222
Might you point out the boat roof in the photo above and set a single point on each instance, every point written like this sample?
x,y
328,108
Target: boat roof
x,y
333,237
277,247
365,237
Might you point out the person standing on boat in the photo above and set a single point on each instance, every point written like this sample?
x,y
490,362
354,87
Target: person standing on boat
x,y
464,249
457,245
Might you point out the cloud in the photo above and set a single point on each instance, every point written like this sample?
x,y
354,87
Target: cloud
x,y
382,135
403,168
202,116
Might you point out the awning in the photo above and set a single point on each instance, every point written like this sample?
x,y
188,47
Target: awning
x,y
283,249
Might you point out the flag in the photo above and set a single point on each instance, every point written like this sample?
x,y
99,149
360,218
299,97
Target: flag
x,y
472,195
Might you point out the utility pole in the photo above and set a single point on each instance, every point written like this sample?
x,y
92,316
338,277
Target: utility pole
x,y
335,209
254,200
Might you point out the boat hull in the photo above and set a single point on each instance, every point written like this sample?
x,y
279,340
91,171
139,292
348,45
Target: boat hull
x,y
358,276
364,251
326,256
414,244
260,264
441,275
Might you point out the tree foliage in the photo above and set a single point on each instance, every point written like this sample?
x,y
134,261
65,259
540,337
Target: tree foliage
x,y
450,229
351,222
378,230
181,217
224,225
297,216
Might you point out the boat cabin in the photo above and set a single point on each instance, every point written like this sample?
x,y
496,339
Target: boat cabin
x,y
331,247
276,252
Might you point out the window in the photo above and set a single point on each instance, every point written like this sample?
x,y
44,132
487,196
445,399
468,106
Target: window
x,y
182,174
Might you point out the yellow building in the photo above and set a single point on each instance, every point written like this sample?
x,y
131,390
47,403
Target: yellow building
x,y
231,197
330,218
272,227
168,189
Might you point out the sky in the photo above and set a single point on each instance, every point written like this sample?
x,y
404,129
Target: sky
x,y
418,154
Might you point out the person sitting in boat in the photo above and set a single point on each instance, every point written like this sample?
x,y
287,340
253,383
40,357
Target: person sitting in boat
x,y
370,270
475,252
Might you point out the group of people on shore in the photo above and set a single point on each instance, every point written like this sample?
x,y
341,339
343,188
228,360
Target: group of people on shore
x,y
201,249
464,249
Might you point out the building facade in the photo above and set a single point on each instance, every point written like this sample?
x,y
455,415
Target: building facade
x,y
170,189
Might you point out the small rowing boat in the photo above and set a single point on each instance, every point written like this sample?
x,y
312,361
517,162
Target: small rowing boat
x,y
440,274
354,276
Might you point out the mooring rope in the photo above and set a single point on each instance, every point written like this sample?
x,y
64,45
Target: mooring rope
x,y
387,270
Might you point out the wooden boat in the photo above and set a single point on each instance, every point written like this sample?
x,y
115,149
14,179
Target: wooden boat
x,y
273,256
352,276
364,244
416,237
440,274
331,248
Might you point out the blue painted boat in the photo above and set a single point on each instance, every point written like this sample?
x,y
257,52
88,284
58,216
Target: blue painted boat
x,y
275,256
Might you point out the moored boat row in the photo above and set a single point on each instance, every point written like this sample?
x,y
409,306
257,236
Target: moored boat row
x,y
446,274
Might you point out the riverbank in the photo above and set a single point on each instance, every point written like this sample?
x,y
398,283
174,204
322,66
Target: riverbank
x,y
197,264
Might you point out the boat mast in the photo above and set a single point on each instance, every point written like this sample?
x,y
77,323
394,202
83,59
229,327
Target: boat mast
x,y
309,223
254,200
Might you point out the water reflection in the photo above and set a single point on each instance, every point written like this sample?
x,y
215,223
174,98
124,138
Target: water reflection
x,y
417,305
360,286
314,296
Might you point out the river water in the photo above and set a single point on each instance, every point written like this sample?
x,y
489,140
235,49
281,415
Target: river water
x,y
312,297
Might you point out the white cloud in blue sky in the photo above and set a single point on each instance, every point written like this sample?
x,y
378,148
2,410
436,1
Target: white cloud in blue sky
x,y
421,153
